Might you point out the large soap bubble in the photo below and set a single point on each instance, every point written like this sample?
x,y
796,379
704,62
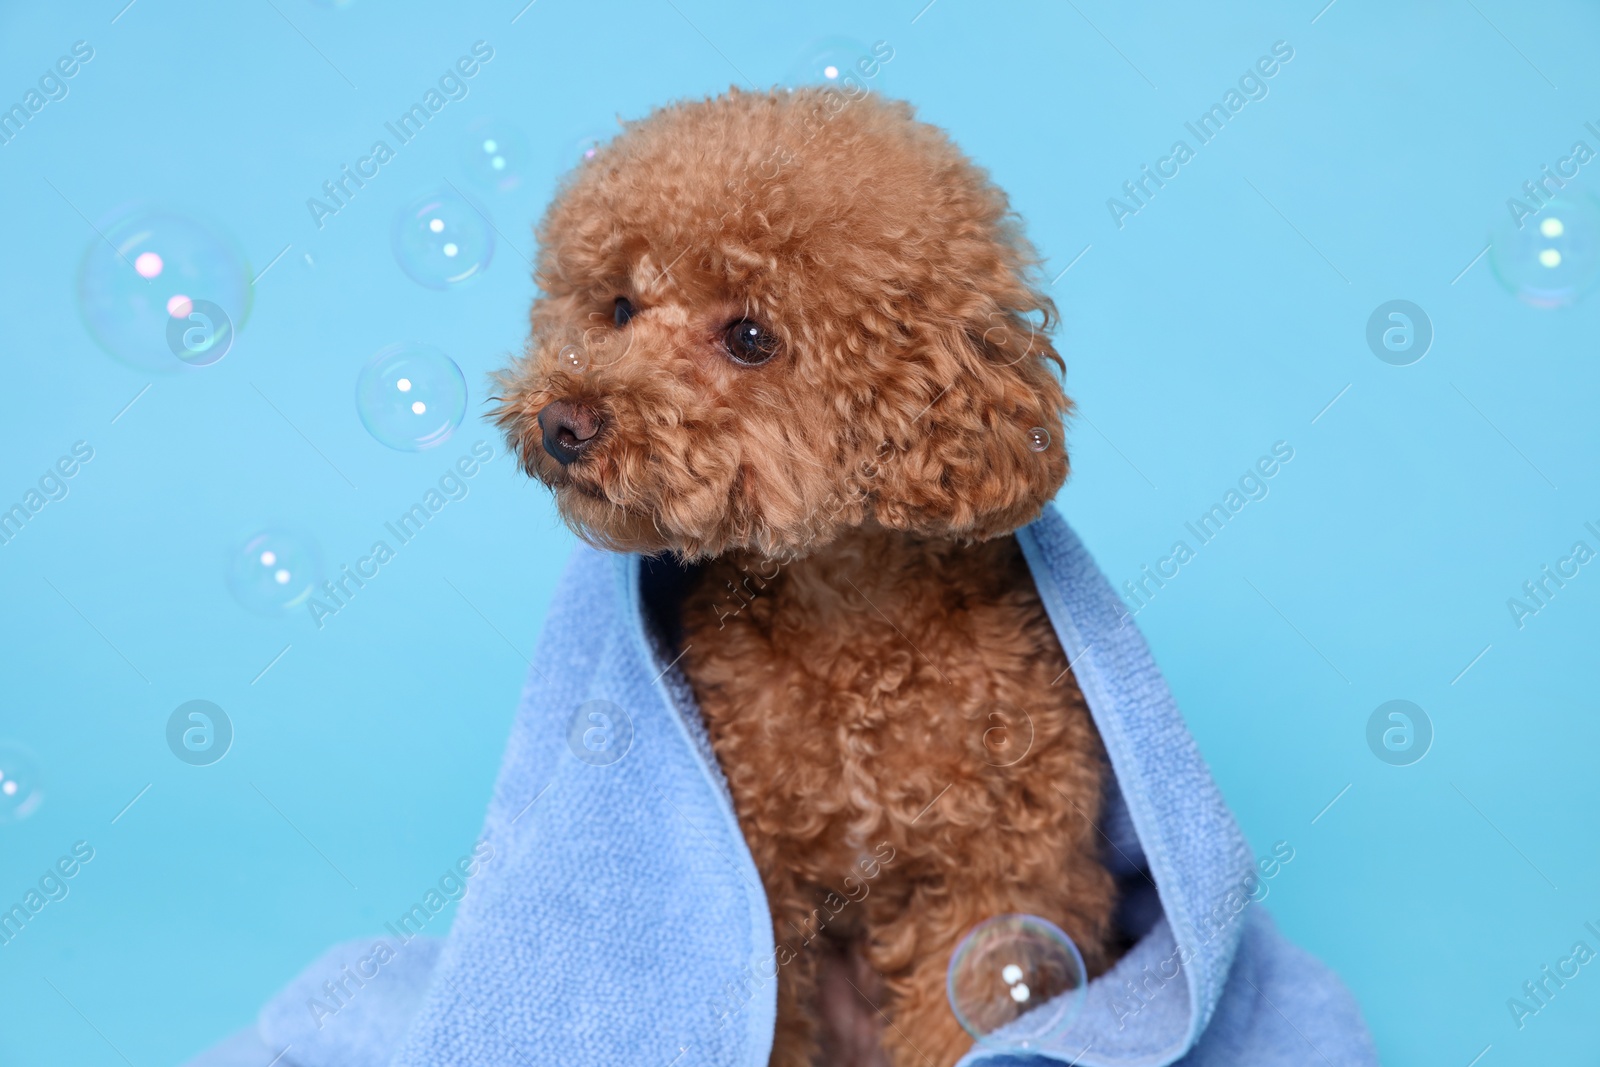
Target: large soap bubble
x,y
1016,982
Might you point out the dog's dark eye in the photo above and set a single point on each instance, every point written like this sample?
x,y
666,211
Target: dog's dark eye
x,y
749,344
622,312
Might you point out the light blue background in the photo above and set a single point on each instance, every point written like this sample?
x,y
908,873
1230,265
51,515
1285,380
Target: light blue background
x,y
1205,330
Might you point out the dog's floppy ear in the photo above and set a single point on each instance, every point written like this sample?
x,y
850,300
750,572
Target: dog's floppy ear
x,y
987,453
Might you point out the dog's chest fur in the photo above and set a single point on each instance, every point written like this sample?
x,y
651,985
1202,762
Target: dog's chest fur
x,y
889,689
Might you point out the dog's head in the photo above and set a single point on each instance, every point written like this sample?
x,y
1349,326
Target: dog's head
x,y
768,317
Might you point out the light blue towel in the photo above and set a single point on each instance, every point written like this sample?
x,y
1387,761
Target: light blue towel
x,y
620,919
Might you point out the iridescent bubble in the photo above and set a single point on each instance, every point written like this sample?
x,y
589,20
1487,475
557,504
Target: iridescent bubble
x,y
143,283
1016,982
851,66
21,789
442,240
1038,439
274,571
573,358
587,147
1552,258
496,155
411,396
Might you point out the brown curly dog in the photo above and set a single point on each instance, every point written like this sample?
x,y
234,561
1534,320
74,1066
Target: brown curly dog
x,y
793,338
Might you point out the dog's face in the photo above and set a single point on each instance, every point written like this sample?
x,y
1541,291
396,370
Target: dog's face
x,y
765,318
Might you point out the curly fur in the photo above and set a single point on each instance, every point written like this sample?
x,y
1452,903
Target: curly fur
x,y
863,637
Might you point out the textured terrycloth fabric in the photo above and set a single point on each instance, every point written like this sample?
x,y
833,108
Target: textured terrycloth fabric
x,y
621,920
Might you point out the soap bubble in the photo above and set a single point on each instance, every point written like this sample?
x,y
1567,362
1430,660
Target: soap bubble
x,y
1016,981
442,239
572,358
595,348
275,571
496,155
21,791
587,147
411,396
1553,258
162,285
842,63
1038,439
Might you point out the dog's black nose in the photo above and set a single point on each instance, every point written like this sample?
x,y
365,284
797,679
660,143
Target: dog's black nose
x,y
568,429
